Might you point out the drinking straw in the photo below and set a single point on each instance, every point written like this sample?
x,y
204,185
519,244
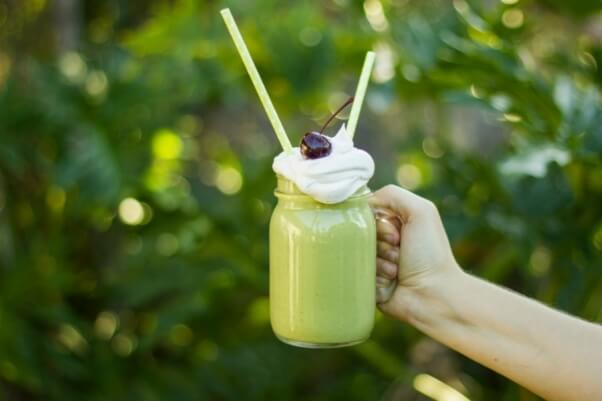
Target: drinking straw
x,y
360,93
256,79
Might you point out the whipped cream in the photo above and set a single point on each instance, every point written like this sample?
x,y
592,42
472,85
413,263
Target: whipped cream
x,y
330,179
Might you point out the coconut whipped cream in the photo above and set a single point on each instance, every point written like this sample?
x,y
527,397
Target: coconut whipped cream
x,y
330,179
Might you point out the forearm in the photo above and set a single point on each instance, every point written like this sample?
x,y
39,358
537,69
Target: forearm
x,y
552,354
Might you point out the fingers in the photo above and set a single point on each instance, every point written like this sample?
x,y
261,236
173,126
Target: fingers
x,y
387,261
388,252
388,232
388,228
401,201
386,268
384,289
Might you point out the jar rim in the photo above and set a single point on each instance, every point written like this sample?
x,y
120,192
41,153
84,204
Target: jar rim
x,y
361,193
365,193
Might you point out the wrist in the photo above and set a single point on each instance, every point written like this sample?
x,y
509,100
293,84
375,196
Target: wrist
x,y
428,301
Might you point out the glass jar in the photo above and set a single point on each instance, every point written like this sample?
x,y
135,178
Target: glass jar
x,y
322,269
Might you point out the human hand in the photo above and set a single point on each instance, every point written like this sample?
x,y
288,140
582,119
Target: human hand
x,y
412,245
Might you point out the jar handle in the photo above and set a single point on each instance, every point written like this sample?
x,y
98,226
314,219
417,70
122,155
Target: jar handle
x,y
384,286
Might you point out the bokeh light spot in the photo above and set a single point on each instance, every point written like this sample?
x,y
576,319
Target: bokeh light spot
x,y
436,389
461,6
69,337
431,148
96,84
409,176
375,15
586,58
167,244
228,180
105,325
310,36
500,102
180,335
131,211
475,91
123,344
513,18
483,36
166,145
259,311
384,67
540,261
513,118
73,67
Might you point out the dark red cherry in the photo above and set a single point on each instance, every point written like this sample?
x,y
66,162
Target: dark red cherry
x,y
315,145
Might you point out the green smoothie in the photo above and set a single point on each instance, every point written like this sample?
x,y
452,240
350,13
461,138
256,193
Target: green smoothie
x,y
322,269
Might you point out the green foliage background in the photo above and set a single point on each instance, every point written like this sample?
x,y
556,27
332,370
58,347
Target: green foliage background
x,y
491,109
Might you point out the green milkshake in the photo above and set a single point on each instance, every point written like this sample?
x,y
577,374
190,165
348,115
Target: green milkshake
x,y
322,269
322,232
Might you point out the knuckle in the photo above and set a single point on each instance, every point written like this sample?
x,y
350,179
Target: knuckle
x,y
429,207
390,189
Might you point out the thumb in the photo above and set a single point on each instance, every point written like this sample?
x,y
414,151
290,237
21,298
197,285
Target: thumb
x,y
400,201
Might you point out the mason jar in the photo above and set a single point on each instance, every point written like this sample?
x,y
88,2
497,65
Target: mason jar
x,y
322,269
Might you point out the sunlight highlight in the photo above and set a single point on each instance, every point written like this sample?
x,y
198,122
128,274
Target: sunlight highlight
x,y
384,67
73,67
436,389
540,261
310,36
513,18
376,15
72,339
228,180
105,325
97,83
409,176
123,344
167,145
131,212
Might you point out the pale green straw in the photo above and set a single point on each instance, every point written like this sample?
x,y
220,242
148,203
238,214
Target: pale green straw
x,y
360,93
256,79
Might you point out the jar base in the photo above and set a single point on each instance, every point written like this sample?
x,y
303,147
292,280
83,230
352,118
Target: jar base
x,y
304,344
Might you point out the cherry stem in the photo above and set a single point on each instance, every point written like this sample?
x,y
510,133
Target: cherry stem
x,y
347,103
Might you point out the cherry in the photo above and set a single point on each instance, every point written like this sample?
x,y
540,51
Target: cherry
x,y
314,145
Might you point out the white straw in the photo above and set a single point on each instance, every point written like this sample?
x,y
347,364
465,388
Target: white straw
x,y
360,93
256,79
